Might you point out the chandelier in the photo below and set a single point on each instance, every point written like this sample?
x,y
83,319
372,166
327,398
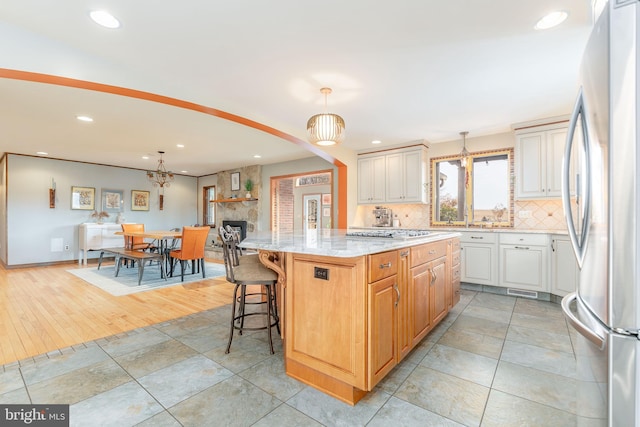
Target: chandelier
x,y
325,128
160,177
464,154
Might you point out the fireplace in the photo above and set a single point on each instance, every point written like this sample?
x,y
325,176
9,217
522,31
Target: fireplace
x,y
238,225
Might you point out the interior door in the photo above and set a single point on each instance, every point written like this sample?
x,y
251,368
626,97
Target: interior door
x,y
311,219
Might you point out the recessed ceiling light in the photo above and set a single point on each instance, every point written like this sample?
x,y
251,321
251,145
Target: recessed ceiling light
x,y
257,156
104,18
84,118
551,20
42,153
180,145
376,141
184,171
145,157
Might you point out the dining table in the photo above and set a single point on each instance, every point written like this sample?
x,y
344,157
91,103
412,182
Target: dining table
x,y
161,236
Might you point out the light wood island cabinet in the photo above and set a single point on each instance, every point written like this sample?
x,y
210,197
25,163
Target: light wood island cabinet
x,y
350,320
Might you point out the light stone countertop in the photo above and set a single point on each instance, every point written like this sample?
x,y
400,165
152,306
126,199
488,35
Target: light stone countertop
x,y
333,242
472,230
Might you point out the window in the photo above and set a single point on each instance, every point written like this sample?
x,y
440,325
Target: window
x,y
479,194
209,209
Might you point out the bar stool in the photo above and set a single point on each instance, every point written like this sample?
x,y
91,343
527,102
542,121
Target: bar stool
x,y
244,274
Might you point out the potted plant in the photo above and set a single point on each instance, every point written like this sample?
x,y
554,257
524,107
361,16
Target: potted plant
x,y
248,185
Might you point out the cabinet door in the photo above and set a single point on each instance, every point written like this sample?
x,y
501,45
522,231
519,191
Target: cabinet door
x,y
413,177
564,268
478,263
556,141
404,308
395,178
404,177
94,237
530,165
371,179
438,301
383,300
524,267
109,238
419,288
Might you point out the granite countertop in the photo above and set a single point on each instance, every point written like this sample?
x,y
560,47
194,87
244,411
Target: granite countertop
x,y
333,242
473,230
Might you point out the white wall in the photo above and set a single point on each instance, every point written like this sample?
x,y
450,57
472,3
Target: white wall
x,y
32,225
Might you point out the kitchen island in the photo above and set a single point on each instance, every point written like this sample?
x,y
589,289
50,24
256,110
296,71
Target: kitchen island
x,y
354,307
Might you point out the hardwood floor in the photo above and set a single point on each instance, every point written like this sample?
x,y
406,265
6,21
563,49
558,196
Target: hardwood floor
x,y
46,308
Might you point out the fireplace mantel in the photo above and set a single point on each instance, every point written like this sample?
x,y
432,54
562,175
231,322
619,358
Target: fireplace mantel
x,y
236,200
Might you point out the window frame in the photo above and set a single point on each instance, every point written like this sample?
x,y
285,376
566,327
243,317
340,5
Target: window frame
x,y
468,191
206,206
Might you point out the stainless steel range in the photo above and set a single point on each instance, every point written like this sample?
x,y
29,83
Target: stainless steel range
x,y
390,234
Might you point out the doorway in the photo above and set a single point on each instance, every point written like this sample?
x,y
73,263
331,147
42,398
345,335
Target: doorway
x,y
302,201
311,219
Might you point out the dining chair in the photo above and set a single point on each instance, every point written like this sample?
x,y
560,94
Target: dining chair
x,y
135,243
243,274
191,249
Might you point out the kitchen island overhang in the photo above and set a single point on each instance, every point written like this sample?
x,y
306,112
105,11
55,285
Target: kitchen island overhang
x,y
355,307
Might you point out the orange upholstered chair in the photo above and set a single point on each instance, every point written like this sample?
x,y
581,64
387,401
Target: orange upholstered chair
x,y
137,243
192,246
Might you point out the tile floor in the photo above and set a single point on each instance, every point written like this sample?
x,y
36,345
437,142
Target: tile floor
x,y
494,361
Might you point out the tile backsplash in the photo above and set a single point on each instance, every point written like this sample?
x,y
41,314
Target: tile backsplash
x,y
543,215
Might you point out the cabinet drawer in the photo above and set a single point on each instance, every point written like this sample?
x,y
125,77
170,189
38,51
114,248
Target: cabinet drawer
x,y
455,258
479,237
455,273
455,245
524,239
428,252
382,265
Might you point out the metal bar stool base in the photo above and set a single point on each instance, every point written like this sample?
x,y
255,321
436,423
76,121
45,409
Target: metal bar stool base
x,y
237,321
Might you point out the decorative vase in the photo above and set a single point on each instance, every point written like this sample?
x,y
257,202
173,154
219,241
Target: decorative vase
x,y
248,195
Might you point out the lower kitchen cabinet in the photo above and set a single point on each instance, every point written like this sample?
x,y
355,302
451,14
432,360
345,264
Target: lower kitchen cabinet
x,y
564,267
523,261
383,312
479,258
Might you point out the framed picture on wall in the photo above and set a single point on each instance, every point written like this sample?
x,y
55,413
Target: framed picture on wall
x,y
139,200
112,200
235,181
326,199
83,198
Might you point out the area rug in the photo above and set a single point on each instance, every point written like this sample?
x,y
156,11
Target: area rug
x,y
127,281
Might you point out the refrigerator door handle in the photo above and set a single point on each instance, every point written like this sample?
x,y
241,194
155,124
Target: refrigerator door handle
x,y
577,242
582,329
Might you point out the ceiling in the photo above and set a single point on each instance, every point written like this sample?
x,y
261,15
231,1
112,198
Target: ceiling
x,y
400,71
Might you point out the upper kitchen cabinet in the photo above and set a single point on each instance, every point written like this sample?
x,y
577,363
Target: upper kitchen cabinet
x,y
400,173
538,163
371,179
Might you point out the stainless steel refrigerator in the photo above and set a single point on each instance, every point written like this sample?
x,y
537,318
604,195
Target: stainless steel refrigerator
x,y
601,200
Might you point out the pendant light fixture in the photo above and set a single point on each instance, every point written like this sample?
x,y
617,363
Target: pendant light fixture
x,y
464,154
326,128
160,178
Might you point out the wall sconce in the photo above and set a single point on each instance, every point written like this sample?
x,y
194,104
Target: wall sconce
x,y
52,194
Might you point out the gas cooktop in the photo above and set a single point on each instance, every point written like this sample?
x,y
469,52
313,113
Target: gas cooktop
x,y
389,234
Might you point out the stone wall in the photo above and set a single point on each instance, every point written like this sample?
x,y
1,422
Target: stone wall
x,y
239,211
